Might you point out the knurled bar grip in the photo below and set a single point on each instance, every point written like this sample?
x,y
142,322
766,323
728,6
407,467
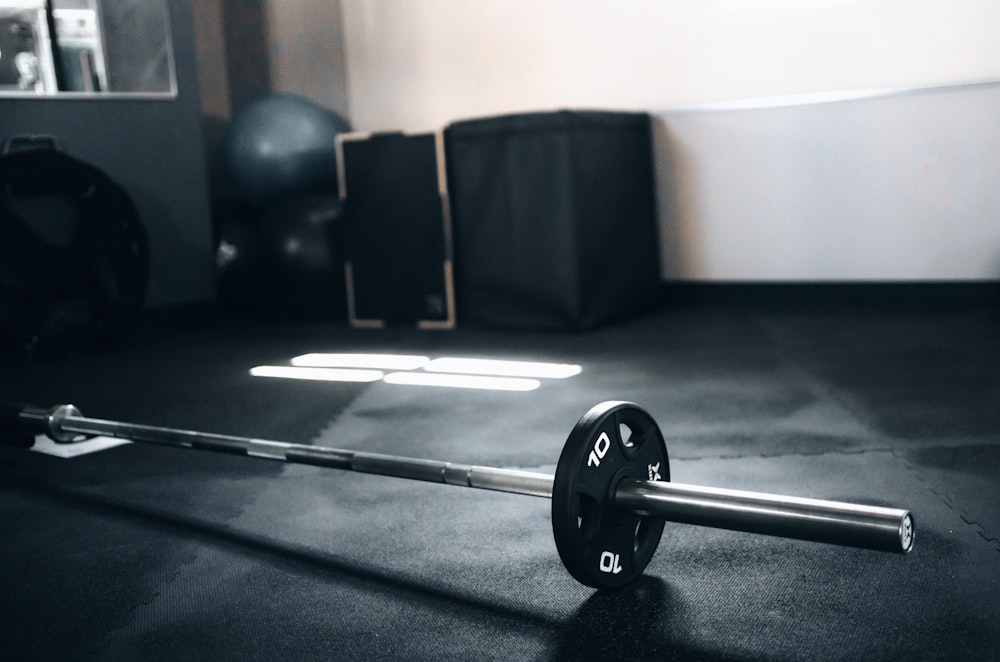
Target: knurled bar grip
x,y
433,471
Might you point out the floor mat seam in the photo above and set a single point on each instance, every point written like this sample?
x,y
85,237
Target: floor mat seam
x,y
837,396
969,521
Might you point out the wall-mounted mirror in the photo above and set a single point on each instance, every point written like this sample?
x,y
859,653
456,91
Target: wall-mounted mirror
x,y
86,47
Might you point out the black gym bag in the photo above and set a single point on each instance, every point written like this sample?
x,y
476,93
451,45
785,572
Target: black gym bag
x,y
74,258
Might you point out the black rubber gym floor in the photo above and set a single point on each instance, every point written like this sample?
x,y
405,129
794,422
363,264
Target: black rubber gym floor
x,y
143,552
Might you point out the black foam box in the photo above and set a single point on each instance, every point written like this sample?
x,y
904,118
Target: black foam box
x,y
554,218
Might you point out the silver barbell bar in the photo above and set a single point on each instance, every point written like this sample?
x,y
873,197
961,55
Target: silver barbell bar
x,y
853,525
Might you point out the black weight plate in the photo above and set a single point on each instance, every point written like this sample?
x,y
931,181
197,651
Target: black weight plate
x,y
600,546
74,257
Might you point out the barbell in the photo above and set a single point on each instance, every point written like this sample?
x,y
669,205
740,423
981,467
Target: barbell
x,y
611,492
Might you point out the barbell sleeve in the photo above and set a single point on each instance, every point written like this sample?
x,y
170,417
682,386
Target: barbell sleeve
x,y
816,520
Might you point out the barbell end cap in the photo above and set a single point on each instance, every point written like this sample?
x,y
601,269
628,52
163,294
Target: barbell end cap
x,y
907,533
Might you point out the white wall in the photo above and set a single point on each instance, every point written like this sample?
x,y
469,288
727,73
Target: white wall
x,y
900,187
759,194
306,51
417,63
302,51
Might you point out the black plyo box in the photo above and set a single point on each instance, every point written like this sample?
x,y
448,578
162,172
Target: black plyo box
x,y
554,218
397,229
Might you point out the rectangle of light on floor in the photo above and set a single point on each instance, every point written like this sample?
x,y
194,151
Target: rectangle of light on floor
x,y
365,361
503,368
317,374
462,381
45,445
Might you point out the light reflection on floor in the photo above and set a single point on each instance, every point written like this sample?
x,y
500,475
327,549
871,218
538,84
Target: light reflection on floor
x,y
417,370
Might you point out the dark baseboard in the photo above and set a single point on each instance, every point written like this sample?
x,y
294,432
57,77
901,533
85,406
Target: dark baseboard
x,y
963,293
980,295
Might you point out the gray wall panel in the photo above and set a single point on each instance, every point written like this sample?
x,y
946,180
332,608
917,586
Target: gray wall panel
x,y
155,150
